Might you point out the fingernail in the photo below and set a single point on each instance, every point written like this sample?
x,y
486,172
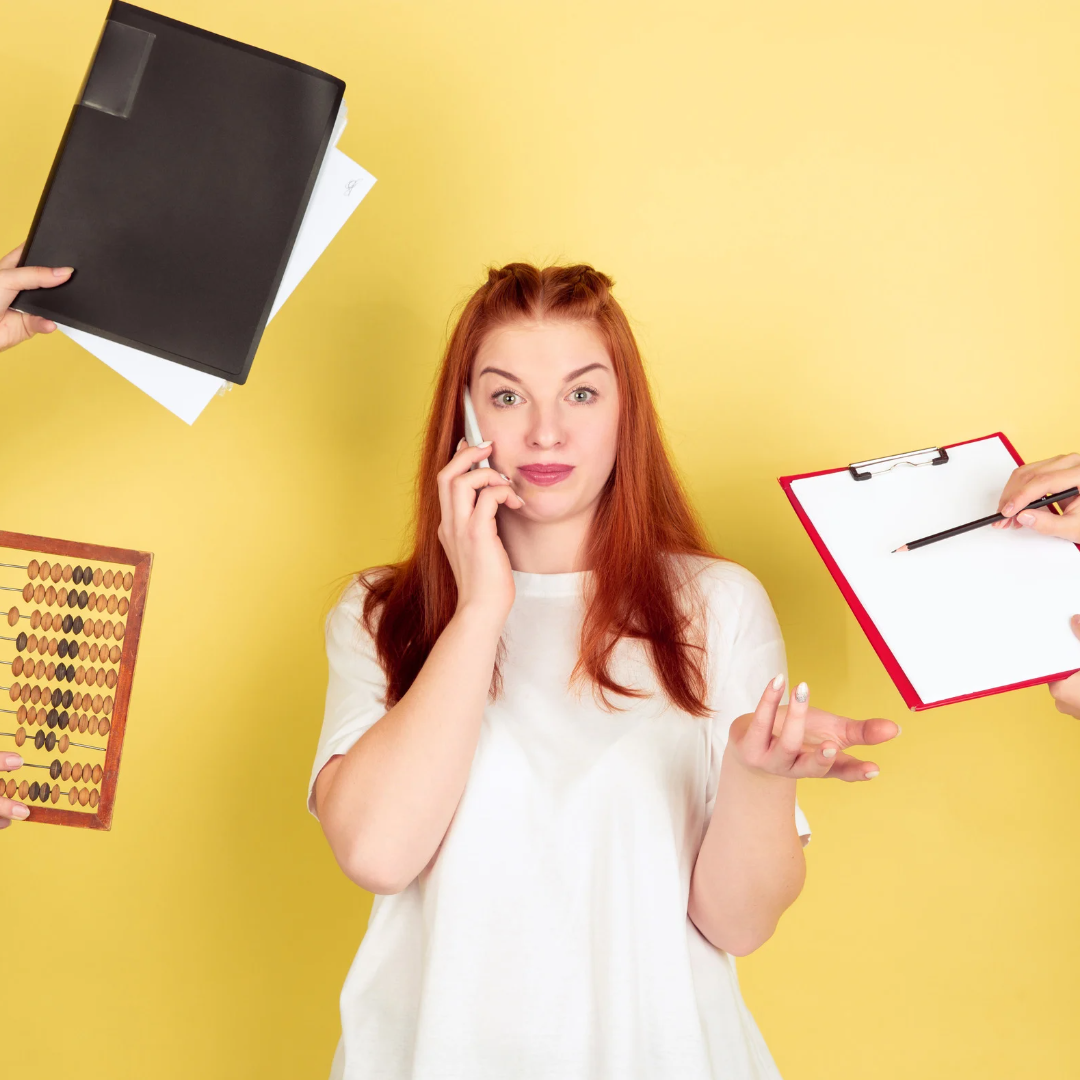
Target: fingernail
x,y
63,271
20,811
871,774
1027,519
1007,509
829,752
778,682
899,730
12,761
460,443
486,442
802,693
505,477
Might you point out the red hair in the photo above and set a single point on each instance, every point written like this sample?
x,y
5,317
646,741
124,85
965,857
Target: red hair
x,y
642,520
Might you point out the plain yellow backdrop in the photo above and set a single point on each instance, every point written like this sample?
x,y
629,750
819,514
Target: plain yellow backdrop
x,y
842,229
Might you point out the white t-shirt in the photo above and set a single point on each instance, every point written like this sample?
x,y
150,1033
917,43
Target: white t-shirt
x,y
550,939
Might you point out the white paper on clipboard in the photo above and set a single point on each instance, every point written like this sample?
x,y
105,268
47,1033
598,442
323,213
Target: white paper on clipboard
x,y
977,612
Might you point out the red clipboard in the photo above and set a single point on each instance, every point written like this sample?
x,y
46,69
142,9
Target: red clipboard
x,y
908,692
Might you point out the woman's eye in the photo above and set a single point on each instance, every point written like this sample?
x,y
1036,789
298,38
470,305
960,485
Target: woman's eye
x,y
583,395
505,398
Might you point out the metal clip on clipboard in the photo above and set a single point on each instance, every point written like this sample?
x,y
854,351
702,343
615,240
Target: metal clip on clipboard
x,y
864,470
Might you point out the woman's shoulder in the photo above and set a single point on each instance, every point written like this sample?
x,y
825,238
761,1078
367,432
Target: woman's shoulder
x,y
723,583
346,627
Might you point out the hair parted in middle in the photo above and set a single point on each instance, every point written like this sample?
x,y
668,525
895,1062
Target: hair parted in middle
x,y
643,517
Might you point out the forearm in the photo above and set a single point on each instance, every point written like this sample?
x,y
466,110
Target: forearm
x,y
750,867
386,804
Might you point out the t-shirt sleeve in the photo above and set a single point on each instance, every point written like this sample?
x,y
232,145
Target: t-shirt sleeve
x,y
746,651
356,689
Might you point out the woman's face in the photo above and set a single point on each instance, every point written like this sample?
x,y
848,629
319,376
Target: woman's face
x,y
545,394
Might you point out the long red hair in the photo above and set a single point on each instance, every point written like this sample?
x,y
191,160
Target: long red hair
x,y
643,518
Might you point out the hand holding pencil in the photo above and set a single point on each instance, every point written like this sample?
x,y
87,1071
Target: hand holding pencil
x,y
1031,482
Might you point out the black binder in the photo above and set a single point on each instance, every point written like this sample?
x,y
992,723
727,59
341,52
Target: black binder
x,y
178,190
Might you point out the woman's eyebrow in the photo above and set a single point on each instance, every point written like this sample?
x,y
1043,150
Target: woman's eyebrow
x,y
581,371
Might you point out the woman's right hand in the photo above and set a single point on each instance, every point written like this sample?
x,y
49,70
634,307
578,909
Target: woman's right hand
x,y
15,327
1031,482
469,535
9,809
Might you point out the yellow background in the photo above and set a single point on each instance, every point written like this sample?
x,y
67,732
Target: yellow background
x,y
842,229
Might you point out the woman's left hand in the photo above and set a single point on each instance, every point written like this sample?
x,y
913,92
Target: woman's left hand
x,y
797,741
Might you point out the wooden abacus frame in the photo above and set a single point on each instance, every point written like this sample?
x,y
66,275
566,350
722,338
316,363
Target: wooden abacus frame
x,y
141,561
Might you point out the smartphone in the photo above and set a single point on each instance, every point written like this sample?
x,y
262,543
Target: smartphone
x,y
472,432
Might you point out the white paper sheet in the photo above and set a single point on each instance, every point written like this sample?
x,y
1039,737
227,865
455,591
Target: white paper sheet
x,y
339,188
979,611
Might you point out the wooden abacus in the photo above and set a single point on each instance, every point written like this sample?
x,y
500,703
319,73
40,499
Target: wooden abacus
x,y
75,637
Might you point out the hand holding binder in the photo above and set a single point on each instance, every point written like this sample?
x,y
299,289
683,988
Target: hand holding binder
x,y
15,328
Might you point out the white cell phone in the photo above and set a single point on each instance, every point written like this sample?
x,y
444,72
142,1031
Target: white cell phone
x,y
472,431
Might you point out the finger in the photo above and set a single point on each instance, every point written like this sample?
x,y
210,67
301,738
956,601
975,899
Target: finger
x,y
1046,477
815,763
13,810
870,732
463,492
1048,523
851,769
758,735
462,461
10,761
489,500
17,278
789,744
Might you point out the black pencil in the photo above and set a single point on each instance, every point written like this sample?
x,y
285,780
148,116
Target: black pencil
x,y
1036,505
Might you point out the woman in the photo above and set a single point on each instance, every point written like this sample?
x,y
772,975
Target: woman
x,y
1031,482
15,328
554,741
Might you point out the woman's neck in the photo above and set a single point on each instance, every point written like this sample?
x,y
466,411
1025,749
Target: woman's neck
x,y
546,547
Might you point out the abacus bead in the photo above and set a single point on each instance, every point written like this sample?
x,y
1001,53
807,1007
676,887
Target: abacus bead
x,y
52,646
76,575
96,774
35,619
91,675
45,792
107,579
35,787
21,714
98,626
98,576
24,787
50,596
73,796
85,705
32,568
76,772
28,592
61,601
118,631
115,653
66,624
87,575
20,736
102,602
55,794
92,725
76,623
39,740
128,579
39,594
123,606
80,676
65,772
50,671
17,666
101,677
54,768
94,652
57,572
28,693
97,703
56,698
82,723
39,669
13,616
103,727
110,679
106,706
14,690
62,745
84,650
22,641
67,572
84,796
82,599
62,648
44,570
73,599
50,741
51,718
95,798
63,721
111,605
11,788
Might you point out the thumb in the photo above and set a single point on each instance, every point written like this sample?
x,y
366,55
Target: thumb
x,y
1074,622
1050,524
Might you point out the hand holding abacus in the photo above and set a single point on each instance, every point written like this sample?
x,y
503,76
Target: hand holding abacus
x,y
15,327
9,809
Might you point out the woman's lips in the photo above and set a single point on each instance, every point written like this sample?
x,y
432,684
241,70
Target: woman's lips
x,y
545,475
